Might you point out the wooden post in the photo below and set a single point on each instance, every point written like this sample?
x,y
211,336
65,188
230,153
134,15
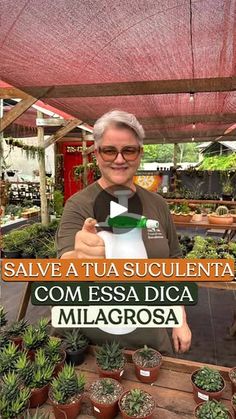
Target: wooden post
x,y
42,175
85,159
175,154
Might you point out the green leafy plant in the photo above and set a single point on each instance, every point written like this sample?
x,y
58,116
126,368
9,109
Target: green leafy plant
x,y
14,398
147,357
222,210
75,340
37,415
35,336
107,386
234,399
3,317
67,385
42,370
24,368
53,349
137,403
16,328
208,379
110,357
212,409
58,200
8,356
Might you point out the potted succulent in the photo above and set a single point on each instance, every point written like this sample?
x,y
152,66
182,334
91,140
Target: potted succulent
x,y
220,216
15,331
35,337
181,213
3,317
234,404
227,189
137,404
66,393
14,397
197,216
55,353
212,409
41,377
208,384
110,360
147,363
75,346
37,415
13,243
232,377
104,395
8,357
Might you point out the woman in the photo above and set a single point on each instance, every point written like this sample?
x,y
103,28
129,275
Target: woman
x,y
118,140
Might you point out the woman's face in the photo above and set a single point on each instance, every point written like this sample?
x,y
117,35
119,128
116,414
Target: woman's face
x,y
119,171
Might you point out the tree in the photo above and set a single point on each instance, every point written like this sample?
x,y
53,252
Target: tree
x,y
163,153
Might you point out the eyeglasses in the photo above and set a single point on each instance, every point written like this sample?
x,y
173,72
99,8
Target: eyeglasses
x,y
110,153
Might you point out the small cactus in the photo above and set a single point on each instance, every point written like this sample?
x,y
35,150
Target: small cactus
x,y
222,210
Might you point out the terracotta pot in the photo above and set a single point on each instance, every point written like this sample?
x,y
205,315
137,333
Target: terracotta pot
x,y
144,374
125,416
39,396
197,217
233,383
31,354
75,357
216,219
200,404
17,340
201,395
116,374
105,410
182,218
59,365
67,411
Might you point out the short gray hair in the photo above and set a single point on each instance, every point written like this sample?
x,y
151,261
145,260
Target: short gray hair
x,y
119,119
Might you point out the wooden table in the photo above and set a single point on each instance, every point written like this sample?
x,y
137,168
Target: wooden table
x,y
229,229
172,391
200,201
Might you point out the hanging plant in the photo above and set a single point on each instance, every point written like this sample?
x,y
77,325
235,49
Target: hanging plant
x,y
79,170
31,151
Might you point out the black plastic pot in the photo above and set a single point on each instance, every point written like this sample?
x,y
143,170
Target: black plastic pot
x,y
227,197
11,254
75,357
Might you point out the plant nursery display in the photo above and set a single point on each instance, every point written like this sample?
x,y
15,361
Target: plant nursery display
x,y
104,395
207,248
137,403
75,346
147,363
66,393
208,384
212,409
110,360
